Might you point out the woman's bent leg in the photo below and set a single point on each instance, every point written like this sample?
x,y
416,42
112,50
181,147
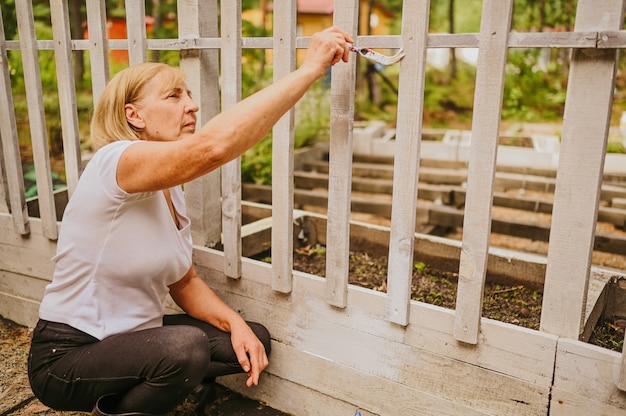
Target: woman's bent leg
x,y
223,358
152,370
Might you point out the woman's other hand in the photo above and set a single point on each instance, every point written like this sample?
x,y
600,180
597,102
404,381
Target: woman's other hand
x,y
250,352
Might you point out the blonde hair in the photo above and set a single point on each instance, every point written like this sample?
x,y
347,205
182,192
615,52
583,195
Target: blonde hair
x,y
109,123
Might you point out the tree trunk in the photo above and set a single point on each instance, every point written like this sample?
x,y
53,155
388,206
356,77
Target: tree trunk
x,y
453,64
78,32
158,22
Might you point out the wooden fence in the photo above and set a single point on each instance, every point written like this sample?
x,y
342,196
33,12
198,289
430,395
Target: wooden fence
x,y
337,347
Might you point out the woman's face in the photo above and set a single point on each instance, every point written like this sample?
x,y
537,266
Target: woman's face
x,y
163,113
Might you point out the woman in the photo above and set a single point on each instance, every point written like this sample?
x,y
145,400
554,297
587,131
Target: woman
x,y
102,341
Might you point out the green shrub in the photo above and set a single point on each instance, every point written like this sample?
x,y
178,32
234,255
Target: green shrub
x,y
615,147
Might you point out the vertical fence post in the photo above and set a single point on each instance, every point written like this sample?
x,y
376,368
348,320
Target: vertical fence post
x,y
37,118
136,31
231,172
492,56
285,13
406,159
198,19
340,163
59,15
579,176
12,181
98,46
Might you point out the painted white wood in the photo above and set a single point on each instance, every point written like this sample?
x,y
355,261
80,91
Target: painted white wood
x,y
406,159
494,29
27,287
339,393
98,47
584,381
59,15
282,152
231,172
136,31
345,16
12,176
202,196
590,39
621,379
586,121
20,310
361,339
37,117
29,256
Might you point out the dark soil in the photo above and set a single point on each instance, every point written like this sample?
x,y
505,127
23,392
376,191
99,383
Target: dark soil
x,y
516,305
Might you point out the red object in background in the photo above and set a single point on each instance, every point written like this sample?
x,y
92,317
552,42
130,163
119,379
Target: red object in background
x,y
116,29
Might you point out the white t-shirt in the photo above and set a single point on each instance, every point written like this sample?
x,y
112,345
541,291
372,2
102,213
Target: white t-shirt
x,y
116,254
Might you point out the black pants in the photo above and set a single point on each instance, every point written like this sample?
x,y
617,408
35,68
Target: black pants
x,y
153,369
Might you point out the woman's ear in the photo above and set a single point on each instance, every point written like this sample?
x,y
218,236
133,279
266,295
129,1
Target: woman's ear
x,y
133,117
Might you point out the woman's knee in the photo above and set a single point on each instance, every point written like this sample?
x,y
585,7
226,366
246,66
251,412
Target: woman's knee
x,y
186,347
196,348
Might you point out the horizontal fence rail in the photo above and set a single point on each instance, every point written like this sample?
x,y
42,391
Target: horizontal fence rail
x,y
592,39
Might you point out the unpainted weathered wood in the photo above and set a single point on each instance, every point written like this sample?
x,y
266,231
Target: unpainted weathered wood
x,y
345,16
285,14
585,131
256,237
202,196
445,216
59,15
37,118
10,164
406,160
231,172
494,30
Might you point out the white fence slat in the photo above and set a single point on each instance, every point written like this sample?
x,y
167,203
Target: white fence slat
x,y
4,184
621,378
340,160
37,118
67,92
12,178
204,208
282,152
406,159
98,47
136,31
579,176
494,29
231,172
